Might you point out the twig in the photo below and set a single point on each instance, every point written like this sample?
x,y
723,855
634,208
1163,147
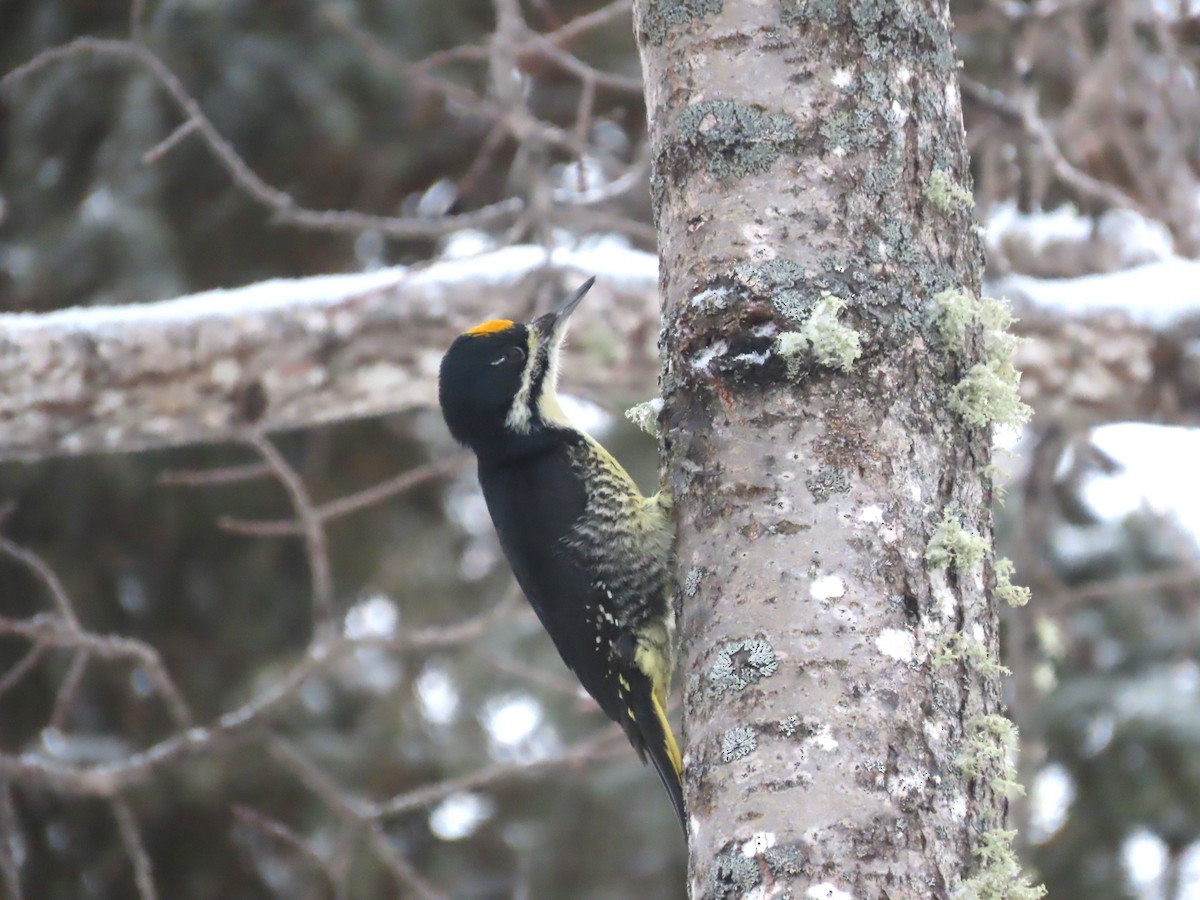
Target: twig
x,y
278,831
351,811
51,631
316,548
12,842
280,202
605,742
67,691
1025,115
209,477
167,144
352,502
131,838
106,779
45,575
22,667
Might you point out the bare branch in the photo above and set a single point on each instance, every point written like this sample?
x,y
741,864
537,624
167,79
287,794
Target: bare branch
x,y
44,574
289,354
12,843
68,690
281,203
52,631
606,742
317,550
209,477
280,832
352,812
131,838
1025,114
343,506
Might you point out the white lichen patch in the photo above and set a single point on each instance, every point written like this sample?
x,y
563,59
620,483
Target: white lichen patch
x,y
827,891
766,329
909,783
897,644
704,358
934,731
645,415
822,739
958,808
760,843
754,359
843,78
712,298
871,515
944,599
827,587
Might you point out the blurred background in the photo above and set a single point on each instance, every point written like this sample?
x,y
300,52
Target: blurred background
x,y
428,742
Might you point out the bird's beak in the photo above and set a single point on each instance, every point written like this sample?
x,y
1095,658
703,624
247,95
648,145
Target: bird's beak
x,y
555,322
571,302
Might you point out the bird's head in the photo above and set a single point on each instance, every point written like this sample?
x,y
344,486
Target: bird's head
x,y
497,381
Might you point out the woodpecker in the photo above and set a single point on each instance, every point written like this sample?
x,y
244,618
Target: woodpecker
x,y
591,553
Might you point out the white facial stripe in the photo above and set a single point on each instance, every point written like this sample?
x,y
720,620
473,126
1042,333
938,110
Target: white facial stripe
x,y
518,418
548,406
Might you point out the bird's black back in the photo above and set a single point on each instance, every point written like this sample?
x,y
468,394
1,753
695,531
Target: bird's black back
x,y
535,502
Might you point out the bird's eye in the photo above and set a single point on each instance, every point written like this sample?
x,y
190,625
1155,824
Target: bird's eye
x,y
511,356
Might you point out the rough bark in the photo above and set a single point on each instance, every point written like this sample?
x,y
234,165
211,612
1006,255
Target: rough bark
x,y
806,152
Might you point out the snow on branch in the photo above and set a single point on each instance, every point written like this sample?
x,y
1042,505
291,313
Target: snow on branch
x,y
288,354
284,353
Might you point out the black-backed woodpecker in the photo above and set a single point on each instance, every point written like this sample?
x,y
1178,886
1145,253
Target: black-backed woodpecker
x,y
592,554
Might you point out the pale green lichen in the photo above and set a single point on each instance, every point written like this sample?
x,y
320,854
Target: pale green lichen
x,y
822,336
645,415
957,312
946,194
992,742
792,348
833,344
999,876
1012,594
737,743
952,543
987,394
958,647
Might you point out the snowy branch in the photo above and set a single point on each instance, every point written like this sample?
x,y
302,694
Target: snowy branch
x,y
288,353
296,353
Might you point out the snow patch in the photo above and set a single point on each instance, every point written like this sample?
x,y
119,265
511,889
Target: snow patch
x,y
760,843
827,587
827,891
897,644
871,515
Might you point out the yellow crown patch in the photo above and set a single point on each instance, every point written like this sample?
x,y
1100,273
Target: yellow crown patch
x,y
491,327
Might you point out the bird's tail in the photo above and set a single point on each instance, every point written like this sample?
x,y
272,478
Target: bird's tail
x,y
658,742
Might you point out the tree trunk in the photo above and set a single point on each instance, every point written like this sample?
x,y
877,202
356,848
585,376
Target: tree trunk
x,y
829,382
